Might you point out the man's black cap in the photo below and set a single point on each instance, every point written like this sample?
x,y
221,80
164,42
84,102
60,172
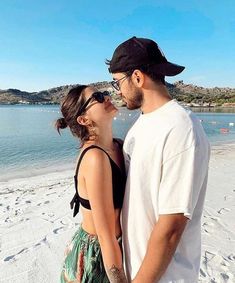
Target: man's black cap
x,y
138,52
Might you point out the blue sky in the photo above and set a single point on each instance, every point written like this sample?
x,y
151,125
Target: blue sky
x,y
45,44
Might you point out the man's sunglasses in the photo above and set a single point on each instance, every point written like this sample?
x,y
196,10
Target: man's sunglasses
x,y
115,83
98,96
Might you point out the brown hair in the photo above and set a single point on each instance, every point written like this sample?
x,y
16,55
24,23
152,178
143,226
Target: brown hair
x,y
70,107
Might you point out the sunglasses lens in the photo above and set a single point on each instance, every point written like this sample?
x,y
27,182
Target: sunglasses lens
x,y
115,85
99,96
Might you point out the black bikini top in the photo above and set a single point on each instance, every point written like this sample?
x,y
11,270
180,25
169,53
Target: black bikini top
x,y
118,183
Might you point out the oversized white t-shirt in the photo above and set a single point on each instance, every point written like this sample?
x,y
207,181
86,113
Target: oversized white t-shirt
x,y
166,156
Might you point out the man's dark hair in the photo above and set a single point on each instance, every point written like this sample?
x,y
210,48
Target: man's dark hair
x,y
147,70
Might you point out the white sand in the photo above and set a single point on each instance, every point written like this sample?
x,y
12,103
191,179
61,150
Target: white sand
x,y
36,223
218,222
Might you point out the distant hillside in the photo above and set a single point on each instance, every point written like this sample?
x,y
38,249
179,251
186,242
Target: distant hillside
x,y
187,93
200,96
50,96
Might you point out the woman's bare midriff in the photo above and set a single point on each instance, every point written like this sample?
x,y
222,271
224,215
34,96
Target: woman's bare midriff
x,y
88,223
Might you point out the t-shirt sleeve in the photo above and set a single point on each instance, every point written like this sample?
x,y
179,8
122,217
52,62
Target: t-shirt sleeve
x,y
183,174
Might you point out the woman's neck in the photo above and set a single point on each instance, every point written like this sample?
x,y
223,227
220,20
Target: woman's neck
x,y
104,138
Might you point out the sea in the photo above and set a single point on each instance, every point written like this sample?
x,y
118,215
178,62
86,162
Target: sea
x,y
30,144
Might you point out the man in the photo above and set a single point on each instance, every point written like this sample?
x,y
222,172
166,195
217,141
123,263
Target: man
x,y
166,155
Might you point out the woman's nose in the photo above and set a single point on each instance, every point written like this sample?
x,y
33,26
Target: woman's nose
x,y
107,98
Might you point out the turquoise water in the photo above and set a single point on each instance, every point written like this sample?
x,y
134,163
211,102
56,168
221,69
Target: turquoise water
x,y
30,145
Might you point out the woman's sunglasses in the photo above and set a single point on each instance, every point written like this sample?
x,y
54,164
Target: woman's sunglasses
x,y
98,96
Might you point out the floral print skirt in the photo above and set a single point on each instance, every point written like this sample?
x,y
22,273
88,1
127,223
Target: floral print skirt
x,y
83,261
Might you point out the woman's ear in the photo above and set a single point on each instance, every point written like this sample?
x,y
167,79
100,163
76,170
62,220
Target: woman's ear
x,y
82,120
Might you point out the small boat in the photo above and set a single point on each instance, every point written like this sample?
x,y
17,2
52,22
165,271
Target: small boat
x,y
224,130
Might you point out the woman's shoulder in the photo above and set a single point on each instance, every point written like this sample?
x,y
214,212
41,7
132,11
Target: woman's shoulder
x,y
94,156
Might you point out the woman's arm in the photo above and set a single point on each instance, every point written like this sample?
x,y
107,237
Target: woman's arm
x,y
98,180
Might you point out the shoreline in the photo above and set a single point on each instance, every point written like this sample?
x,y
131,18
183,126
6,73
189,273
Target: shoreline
x,y
69,167
49,170
122,106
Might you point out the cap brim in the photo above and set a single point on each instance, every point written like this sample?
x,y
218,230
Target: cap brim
x,y
168,69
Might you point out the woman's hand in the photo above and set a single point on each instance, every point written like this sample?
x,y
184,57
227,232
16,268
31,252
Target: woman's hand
x,y
116,275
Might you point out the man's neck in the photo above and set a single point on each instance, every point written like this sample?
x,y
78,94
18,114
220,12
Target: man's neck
x,y
154,98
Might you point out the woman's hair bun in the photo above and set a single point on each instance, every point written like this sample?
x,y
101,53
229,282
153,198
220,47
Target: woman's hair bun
x,y
60,124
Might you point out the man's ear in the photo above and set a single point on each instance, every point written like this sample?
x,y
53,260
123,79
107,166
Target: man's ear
x,y
138,78
82,120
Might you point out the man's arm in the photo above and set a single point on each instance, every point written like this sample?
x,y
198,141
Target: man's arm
x,y
161,247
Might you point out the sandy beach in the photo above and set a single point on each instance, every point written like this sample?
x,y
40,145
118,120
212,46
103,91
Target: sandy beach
x,y
36,223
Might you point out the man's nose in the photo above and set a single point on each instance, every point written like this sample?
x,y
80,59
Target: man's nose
x,y
118,92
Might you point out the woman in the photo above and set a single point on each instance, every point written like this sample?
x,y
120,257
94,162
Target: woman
x,y
94,254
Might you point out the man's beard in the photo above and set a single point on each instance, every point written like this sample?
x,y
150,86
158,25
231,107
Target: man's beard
x,y
136,101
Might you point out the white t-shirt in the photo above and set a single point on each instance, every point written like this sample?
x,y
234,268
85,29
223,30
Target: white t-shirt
x,y
166,156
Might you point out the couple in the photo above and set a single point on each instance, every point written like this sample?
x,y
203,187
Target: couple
x,y
157,178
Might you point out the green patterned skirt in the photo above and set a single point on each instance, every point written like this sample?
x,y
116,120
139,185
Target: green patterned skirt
x,y
83,261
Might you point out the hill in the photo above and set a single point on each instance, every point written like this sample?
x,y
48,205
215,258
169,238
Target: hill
x,y
189,94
